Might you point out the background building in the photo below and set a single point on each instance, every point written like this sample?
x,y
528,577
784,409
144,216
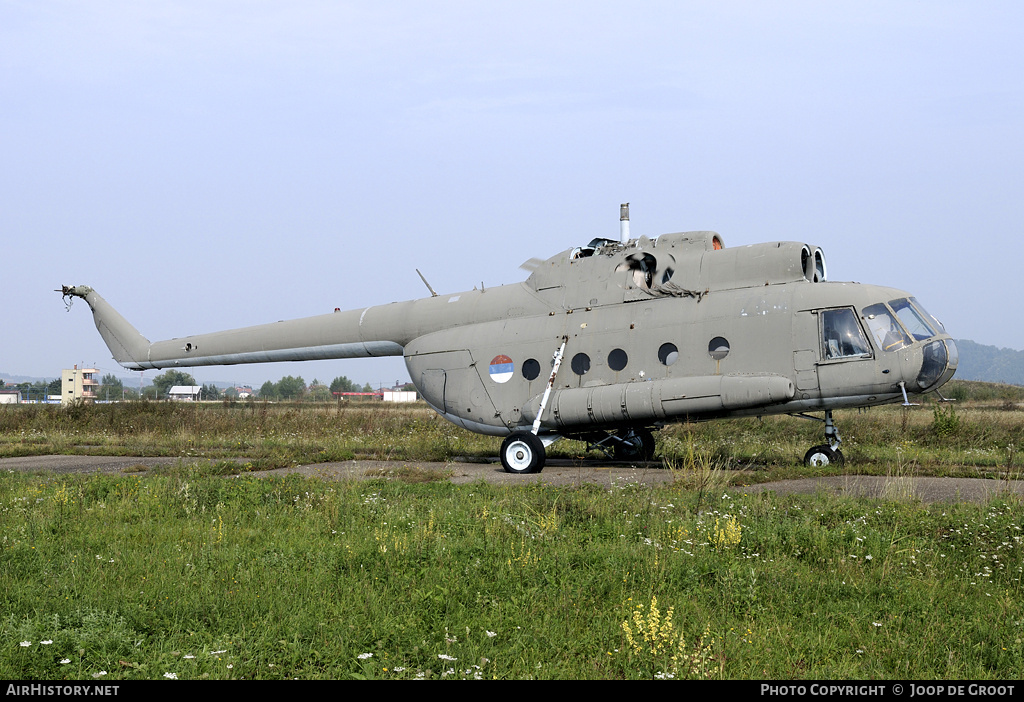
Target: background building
x,y
399,393
10,397
79,384
185,393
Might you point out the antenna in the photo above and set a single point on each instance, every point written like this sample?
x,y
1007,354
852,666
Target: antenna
x,y
432,293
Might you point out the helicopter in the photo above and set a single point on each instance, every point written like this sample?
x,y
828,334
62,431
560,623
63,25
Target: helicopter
x,y
609,341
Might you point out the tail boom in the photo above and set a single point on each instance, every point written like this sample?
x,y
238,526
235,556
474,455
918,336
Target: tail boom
x,y
381,330
313,338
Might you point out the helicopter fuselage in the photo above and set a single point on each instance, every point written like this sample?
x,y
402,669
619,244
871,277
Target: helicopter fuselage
x,y
611,336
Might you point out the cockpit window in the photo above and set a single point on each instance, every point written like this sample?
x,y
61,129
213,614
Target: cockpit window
x,y
886,330
841,335
913,322
932,321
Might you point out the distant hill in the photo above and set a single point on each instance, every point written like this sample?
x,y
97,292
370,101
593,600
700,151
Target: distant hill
x,y
989,363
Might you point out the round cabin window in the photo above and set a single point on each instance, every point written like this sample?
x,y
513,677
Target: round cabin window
x,y
718,348
580,364
531,369
668,354
617,359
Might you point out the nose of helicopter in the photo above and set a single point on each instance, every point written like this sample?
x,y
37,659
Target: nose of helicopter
x,y
939,360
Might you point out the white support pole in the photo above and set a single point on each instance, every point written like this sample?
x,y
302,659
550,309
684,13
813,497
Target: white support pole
x,y
556,362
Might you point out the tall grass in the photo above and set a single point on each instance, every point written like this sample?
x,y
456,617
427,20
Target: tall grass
x,y
271,435
966,438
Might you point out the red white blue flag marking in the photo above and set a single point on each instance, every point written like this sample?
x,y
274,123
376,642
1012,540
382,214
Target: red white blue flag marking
x,y
501,369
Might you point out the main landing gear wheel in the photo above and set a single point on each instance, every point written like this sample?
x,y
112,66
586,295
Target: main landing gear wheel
x,y
522,452
824,455
637,445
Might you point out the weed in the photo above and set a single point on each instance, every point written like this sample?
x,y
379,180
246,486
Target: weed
x,y
656,644
697,471
899,483
945,422
727,535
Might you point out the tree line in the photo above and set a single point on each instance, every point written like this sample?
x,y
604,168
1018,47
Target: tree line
x,y
38,390
292,388
113,388
287,388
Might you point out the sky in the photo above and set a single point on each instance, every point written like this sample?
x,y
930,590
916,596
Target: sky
x,y
214,164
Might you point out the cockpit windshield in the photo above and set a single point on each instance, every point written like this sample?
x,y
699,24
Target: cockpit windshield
x,y
912,320
930,318
885,328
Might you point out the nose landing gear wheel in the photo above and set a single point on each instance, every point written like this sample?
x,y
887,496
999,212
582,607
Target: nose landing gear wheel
x,y
824,455
522,452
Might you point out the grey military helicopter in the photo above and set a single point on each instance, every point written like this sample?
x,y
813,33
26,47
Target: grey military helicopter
x,y
607,341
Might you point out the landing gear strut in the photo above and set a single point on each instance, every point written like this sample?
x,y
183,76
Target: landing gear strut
x,y
825,454
523,451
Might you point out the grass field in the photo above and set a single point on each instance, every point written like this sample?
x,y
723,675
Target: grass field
x,y
191,573
979,435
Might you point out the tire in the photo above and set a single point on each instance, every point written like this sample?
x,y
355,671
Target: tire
x,y
823,455
522,452
647,445
638,447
